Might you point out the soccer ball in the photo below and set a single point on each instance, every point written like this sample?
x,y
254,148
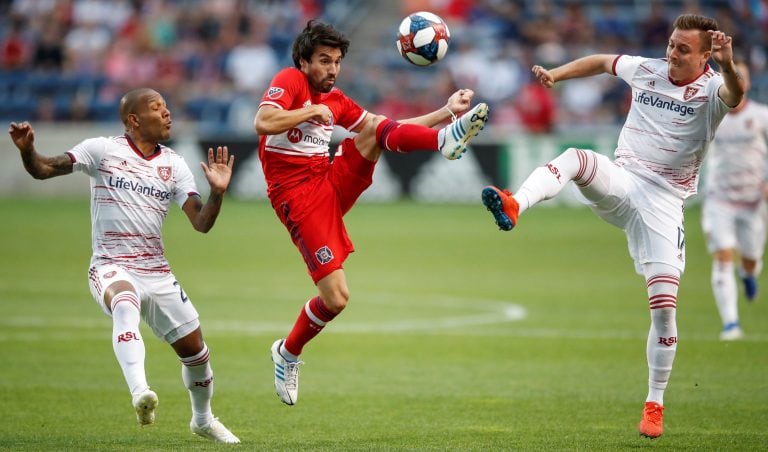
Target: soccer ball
x,y
422,38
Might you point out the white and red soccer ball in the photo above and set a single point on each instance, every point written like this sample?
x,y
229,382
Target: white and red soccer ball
x,y
422,38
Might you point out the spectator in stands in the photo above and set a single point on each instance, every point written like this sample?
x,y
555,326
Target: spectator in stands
x,y
252,62
49,53
14,48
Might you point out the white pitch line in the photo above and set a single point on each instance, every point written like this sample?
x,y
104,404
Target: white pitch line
x,y
492,312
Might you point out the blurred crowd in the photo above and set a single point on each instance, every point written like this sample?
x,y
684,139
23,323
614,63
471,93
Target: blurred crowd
x,y
70,60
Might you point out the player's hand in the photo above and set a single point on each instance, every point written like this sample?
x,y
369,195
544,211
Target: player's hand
x,y
543,76
218,171
322,113
23,135
722,48
460,100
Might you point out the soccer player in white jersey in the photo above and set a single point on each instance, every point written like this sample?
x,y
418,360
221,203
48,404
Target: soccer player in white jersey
x,y
733,216
677,104
134,180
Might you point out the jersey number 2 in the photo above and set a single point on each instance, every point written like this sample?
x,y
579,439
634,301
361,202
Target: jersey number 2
x,y
181,292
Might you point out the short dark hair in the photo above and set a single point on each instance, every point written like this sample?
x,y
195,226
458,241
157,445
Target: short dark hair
x,y
130,101
317,34
697,22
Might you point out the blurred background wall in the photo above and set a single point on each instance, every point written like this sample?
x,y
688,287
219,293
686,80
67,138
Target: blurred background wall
x,y
65,63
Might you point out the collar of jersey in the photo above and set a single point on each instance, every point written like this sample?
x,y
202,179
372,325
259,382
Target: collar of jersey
x,y
139,153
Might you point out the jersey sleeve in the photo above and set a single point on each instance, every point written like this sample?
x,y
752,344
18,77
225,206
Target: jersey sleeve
x,y
185,182
87,154
351,114
625,66
764,121
718,105
282,89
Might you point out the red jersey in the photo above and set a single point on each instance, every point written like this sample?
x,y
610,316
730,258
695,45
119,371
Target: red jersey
x,y
291,157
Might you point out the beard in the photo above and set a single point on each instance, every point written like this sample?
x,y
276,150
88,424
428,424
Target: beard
x,y
323,86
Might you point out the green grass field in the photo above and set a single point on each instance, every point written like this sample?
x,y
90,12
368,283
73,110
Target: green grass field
x,y
457,337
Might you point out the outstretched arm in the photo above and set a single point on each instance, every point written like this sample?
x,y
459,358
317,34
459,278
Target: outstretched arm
x,y
458,103
272,120
40,167
732,91
582,67
218,172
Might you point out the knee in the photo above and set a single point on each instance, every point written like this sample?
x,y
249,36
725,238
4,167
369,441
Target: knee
x,y
569,152
117,288
724,256
374,123
336,299
367,142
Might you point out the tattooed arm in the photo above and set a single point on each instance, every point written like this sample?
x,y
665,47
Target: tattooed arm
x,y
40,167
732,91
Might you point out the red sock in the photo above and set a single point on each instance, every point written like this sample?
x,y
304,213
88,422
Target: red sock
x,y
312,319
396,137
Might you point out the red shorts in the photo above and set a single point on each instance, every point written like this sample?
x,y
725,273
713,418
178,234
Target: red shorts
x,y
313,211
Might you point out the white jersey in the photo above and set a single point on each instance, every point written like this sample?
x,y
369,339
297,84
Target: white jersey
x,y
669,127
130,197
736,170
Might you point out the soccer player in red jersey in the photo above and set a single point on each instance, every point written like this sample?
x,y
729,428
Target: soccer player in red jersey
x,y
311,193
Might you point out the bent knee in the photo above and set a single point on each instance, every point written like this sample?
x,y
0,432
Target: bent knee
x,y
375,121
336,300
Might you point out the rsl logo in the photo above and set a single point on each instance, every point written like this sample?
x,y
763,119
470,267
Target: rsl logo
x,y
668,341
690,91
204,383
164,172
128,336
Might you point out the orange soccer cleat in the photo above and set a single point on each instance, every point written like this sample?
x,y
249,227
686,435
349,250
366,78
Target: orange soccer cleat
x,y
502,205
652,425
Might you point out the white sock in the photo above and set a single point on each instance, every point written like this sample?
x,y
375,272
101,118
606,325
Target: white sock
x,y
290,357
197,375
662,336
545,182
725,290
127,341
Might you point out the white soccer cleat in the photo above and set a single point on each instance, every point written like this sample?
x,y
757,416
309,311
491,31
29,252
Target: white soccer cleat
x,y
453,138
732,332
286,375
215,431
145,404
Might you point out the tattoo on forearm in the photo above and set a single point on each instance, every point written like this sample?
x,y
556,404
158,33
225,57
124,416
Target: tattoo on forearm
x,y
45,167
735,71
61,164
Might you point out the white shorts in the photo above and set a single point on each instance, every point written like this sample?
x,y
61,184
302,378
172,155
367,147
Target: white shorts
x,y
651,216
729,226
164,304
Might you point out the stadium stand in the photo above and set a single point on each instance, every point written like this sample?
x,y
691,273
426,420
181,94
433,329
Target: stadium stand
x,y
69,60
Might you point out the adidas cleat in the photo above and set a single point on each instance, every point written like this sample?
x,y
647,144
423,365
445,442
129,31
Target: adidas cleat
x,y
454,137
286,375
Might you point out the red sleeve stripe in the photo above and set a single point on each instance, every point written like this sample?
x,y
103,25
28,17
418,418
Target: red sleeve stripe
x,y
613,66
